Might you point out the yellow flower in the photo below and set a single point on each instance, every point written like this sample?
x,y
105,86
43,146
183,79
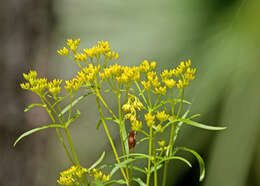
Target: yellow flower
x,y
160,90
162,116
105,178
161,143
63,52
72,176
81,57
147,85
149,119
170,83
34,84
99,175
136,125
54,87
73,45
153,65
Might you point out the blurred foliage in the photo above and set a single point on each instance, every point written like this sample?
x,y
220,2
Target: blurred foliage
x,y
221,37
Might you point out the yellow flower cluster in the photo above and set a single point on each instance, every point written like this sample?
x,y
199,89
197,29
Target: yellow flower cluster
x,y
63,52
81,57
161,143
102,48
54,87
123,74
84,77
73,44
146,66
129,108
33,83
149,118
162,116
98,175
71,176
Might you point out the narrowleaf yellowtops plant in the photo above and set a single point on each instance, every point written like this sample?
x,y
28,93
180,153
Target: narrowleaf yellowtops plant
x,y
150,103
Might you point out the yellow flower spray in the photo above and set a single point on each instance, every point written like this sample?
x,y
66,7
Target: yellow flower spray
x,y
152,98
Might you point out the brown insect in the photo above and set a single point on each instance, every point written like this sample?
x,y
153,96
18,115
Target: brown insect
x,y
131,139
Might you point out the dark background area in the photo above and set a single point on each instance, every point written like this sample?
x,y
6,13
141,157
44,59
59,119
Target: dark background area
x,y
222,37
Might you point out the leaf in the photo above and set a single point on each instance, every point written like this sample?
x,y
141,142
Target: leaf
x,y
76,101
115,181
194,116
158,167
123,134
178,126
98,125
33,105
136,168
177,158
199,158
36,130
200,125
98,183
184,101
138,155
138,180
98,161
118,165
142,140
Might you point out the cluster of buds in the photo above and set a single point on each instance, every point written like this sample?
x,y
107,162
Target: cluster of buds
x,y
99,175
130,108
39,85
72,176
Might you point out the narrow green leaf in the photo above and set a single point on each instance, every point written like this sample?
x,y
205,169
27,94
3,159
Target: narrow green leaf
x,y
98,125
194,116
184,101
138,180
158,167
200,125
36,130
136,168
34,105
199,158
142,140
176,158
178,126
121,182
124,136
76,101
98,161
98,183
118,165
138,155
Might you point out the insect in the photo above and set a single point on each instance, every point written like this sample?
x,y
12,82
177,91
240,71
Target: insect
x,y
131,139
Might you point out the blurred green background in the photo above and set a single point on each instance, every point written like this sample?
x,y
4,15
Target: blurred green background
x,y
222,37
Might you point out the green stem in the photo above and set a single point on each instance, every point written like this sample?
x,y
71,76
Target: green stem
x,y
109,137
71,146
179,110
121,127
71,97
105,104
141,92
155,173
131,170
57,131
150,154
165,173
